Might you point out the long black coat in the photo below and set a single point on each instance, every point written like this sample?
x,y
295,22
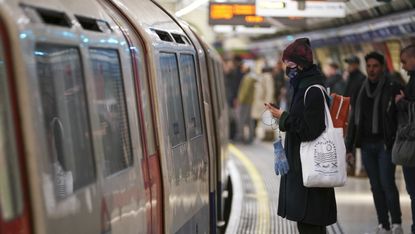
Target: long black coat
x,y
304,122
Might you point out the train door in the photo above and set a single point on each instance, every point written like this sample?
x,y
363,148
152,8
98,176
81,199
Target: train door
x,y
52,96
115,125
14,212
151,160
209,125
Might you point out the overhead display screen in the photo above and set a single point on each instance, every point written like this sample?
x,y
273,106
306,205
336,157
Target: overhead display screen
x,y
235,14
290,8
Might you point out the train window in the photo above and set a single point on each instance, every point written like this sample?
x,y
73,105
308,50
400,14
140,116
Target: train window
x,y
110,104
178,38
11,201
190,94
53,17
171,85
65,115
92,24
163,35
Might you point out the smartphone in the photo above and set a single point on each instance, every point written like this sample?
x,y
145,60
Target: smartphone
x,y
274,105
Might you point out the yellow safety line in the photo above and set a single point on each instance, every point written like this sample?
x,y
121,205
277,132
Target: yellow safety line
x,y
261,193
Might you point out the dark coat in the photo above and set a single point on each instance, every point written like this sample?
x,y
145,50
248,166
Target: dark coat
x,y
336,84
353,85
304,122
388,118
409,94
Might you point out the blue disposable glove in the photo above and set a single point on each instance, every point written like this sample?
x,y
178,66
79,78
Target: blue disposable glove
x,y
280,164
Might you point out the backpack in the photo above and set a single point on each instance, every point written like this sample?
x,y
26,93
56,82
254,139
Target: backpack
x,y
339,111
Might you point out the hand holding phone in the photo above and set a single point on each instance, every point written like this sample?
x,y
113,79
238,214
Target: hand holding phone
x,y
269,104
274,105
274,109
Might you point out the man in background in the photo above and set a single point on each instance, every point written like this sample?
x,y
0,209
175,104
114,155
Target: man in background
x,y
373,126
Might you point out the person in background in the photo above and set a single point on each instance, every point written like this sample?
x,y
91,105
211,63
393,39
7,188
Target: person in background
x,y
263,93
403,100
233,77
245,99
334,79
279,79
354,80
373,126
312,208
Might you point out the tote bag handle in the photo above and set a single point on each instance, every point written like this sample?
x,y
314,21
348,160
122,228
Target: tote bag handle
x,y
328,119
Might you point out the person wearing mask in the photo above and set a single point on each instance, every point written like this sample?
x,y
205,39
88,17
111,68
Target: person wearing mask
x,y
373,126
403,100
312,208
354,80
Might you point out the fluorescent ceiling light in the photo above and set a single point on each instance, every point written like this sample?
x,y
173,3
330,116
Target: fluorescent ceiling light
x,y
190,8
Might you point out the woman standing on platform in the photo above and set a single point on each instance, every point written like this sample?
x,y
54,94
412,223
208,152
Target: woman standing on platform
x,y
312,208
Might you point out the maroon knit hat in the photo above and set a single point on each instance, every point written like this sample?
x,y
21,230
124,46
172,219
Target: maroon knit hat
x,y
299,52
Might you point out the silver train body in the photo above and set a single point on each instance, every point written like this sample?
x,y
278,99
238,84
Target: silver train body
x,y
113,120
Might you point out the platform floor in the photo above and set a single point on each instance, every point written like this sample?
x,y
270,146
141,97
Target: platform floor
x,y
254,205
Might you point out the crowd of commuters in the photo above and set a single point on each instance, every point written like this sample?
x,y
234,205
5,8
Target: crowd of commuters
x,y
376,101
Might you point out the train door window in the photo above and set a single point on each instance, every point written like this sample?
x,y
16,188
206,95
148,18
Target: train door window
x,y
171,85
110,104
65,116
11,201
190,94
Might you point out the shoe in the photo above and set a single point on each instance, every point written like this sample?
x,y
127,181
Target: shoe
x,y
397,229
380,230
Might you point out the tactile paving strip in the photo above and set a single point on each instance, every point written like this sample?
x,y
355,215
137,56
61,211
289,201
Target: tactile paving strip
x,y
261,157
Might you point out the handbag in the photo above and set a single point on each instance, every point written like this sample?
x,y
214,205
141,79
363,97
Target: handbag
x,y
403,151
323,160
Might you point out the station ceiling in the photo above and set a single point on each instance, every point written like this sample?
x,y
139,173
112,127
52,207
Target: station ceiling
x,y
356,11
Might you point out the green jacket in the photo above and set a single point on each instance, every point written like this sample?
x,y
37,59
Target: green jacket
x,y
246,90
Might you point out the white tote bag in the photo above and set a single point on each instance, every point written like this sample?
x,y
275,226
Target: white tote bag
x,y
324,159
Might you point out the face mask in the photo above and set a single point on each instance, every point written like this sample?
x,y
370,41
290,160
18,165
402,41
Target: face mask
x,y
291,72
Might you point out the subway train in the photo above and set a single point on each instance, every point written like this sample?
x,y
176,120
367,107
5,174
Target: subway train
x,y
113,120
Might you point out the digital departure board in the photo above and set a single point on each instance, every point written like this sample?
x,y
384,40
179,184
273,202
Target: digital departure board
x,y
235,14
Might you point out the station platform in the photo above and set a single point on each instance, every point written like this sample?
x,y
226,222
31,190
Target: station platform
x,y
255,197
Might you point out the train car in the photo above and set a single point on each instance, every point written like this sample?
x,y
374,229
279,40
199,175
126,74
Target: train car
x,y
113,120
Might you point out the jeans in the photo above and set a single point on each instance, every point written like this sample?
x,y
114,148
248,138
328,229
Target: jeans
x,y
304,228
409,175
381,172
